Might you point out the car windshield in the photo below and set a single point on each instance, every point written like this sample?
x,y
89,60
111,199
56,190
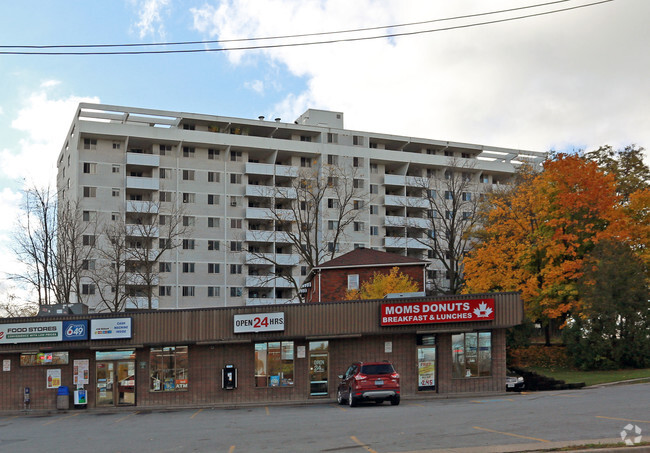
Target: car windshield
x,y
381,368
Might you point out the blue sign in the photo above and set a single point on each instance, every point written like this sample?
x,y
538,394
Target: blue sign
x,y
75,330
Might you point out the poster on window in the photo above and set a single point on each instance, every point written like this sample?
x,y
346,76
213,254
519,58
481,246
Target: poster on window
x,y
80,372
54,379
426,374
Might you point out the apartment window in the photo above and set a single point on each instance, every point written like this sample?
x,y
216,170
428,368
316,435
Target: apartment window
x,y
374,209
305,162
188,291
357,140
164,149
374,231
353,281
188,151
188,268
115,169
358,226
164,244
213,222
165,197
485,179
431,151
331,247
90,192
90,143
449,195
332,159
449,153
303,270
116,145
449,215
357,204
374,189
372,145
213,245
235,246
465,155
234,201
466,215
305,138
235,291
188,175
165,173
88,239
357,183
332,181
213,268
88,289
235,178
448,174
88,265
213,199
90,168
115,192
235,156
236,269
189,197
214,291
358,246
332,224
467,196
87,216
274,364
164,291
115,216
188,244
213,176
374,168
163,219
332,203
431,173
332,138
357,161
164,266
213,154
189,220
471,355
467,176
235,223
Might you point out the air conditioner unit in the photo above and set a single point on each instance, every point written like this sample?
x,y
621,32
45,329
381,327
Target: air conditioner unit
x,y
233,203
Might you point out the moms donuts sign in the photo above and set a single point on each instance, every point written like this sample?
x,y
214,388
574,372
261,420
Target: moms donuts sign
x,y
437,311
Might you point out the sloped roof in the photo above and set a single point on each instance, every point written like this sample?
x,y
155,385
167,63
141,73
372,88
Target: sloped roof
x,y
368,257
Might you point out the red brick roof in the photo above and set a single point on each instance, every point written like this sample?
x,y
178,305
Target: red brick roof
x,y
369,257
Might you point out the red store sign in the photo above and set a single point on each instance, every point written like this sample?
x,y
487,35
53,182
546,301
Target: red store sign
x,y
437,311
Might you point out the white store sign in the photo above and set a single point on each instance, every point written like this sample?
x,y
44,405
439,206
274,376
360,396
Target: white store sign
x,y
259,322
103,329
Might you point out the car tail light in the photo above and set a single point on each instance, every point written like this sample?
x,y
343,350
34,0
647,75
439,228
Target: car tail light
x,y
394,376
360,377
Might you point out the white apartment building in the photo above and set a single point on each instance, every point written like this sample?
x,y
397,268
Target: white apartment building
x,y
233,184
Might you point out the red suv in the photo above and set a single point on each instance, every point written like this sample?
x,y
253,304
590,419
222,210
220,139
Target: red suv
x,y
363,381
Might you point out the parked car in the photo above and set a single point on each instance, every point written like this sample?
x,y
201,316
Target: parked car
x,y
514,382
369,381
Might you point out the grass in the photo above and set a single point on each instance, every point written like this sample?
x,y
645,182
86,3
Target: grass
x,y
592,377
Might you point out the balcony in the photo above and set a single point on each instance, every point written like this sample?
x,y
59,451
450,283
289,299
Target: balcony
x,y
140,303
270,214
139,254
141,207
134,279
254,168
143,160
268,301
150,231
265,281
409,202
402,242
138,182
267,236
411,222
281,259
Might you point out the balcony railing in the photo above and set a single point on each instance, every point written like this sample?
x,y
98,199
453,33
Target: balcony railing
x,y
138,182
282,259
269,301
265,281
412,222
146,207
409,202
140,303
402,242
145,160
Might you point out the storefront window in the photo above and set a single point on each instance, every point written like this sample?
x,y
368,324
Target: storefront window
x,y
44,358
274,364
168,369
471,354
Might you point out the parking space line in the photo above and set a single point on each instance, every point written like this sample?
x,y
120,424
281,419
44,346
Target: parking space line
x,y
60,418
623,419
341,407
267,410
415,404
510,434
126,416
196,413
492,401
361,444
232,448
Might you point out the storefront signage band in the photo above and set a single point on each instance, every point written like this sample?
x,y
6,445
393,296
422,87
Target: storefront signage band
x,y
110,328
53,331
259,322
437,312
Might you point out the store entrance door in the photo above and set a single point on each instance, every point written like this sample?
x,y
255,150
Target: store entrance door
x,y
426,360
115,378
318,368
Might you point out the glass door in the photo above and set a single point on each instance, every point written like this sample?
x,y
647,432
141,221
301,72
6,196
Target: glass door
x,y
104,390
126,383
426,360
318,368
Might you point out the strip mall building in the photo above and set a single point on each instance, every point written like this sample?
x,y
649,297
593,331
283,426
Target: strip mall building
x,y
256,354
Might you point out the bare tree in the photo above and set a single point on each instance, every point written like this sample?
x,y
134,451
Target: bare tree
x,y
453,212
11,308
311,215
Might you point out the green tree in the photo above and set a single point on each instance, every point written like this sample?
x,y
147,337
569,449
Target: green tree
x,y
627,166
612,330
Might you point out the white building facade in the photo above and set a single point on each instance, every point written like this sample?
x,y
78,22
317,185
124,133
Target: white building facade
x,y
234,185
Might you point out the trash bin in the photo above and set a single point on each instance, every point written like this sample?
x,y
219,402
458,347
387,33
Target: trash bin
x,y
63,398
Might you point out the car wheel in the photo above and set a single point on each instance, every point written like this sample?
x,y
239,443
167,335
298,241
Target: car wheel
x,y
394,401
339,397
352,401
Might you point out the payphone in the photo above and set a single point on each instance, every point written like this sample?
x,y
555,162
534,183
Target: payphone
x,y
26,398
229,377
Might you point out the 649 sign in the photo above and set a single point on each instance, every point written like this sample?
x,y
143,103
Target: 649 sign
x,y
259,322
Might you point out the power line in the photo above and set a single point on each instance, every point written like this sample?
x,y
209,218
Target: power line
x,y
303,35
299,44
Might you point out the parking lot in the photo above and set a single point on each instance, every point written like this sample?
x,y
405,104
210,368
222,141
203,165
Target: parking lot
x,y
511,421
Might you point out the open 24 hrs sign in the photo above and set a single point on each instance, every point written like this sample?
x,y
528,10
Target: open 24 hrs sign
x,y
259,322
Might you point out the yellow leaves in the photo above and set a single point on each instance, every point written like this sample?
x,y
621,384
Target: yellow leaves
x,y
382,284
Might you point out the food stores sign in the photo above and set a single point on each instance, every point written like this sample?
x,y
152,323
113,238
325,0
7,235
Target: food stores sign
x,y
401,314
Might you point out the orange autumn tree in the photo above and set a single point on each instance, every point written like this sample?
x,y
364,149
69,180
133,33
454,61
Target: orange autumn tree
x,y
536,236
382,284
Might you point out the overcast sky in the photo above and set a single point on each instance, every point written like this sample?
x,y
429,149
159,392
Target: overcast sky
x,y
565,80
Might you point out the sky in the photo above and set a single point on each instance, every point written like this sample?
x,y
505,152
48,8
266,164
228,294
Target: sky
x,y
563,81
